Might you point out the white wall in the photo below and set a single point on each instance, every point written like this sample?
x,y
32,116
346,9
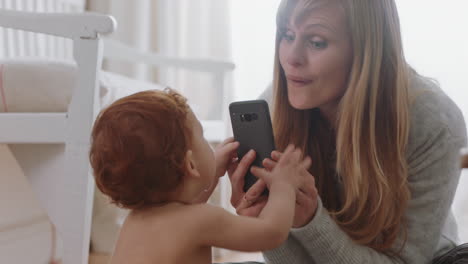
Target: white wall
x,y
435,37
253,41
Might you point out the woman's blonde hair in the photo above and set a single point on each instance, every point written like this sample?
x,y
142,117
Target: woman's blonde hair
x,y
366,148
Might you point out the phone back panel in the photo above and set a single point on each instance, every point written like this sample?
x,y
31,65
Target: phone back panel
x,y
254,132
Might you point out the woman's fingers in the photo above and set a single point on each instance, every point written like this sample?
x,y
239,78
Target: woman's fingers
x,y
309,191
302,197
255,190
307,186
252,195
231,168
237,176
306,205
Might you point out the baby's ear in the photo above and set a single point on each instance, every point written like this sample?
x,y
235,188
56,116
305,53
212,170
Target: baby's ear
x,y
190,165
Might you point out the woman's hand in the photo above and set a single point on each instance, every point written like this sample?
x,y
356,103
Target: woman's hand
x,y
224,154
306,195
252,202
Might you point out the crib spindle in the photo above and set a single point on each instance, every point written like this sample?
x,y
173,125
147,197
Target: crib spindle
x,y
2,43
58,41
17,34
15,43
30,37
2,36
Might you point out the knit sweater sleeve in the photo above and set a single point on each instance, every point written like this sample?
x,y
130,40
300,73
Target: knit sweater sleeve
x,y
437,134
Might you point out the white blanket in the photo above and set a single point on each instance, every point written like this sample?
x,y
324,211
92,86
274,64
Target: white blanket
x,y
25,231
38,85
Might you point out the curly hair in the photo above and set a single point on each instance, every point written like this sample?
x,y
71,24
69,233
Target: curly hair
x,y
138,147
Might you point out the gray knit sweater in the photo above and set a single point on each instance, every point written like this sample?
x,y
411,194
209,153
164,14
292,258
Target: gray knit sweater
x,y
437,134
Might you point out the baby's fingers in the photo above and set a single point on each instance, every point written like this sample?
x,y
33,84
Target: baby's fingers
x,y
297,155
262,174
232,146
227,141
276,155
228,150
287,155
269,164
307,162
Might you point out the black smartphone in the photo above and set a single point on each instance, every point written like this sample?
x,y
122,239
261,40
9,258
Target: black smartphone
x,y
251,125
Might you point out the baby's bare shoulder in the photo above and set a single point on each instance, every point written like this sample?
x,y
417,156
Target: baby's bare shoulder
x,y
181,217
202,212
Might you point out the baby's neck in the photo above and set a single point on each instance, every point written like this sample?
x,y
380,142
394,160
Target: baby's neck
x,y
189,193
157,208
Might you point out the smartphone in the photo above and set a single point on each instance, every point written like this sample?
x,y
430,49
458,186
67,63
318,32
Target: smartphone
x,y
251,126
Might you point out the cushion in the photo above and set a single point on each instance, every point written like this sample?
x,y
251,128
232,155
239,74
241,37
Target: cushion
x,y
41,85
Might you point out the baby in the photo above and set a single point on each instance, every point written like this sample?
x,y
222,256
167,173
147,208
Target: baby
x,y
149,155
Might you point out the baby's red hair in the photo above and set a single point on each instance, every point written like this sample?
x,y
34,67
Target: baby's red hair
x,y
138,147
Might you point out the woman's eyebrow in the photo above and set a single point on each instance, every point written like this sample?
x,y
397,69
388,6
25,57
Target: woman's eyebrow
x,y
315,25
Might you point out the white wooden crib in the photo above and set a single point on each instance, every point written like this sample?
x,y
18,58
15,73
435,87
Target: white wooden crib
x,y
67,197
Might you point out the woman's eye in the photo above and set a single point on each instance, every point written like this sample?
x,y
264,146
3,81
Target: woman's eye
x,y
318,44
288,36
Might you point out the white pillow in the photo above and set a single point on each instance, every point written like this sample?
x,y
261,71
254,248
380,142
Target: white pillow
x,y
41,85
114,86
36,85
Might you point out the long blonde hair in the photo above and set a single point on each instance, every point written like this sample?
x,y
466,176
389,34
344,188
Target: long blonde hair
x,y
366,149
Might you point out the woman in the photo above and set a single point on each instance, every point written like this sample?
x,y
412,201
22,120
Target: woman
x,y
384,140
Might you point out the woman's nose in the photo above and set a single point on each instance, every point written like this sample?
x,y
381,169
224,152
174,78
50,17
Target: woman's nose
x,y
296,56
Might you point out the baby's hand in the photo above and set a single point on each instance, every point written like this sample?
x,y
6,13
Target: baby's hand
x,y
290,168
225,153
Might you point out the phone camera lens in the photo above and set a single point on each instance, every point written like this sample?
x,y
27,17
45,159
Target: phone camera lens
x,y
248,117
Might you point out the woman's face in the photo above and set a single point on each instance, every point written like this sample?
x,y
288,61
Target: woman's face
x,y
316,54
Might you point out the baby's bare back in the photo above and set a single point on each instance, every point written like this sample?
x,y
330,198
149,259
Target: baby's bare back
x,y
160,235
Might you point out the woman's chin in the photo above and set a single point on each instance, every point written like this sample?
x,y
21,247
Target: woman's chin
x,y
300,104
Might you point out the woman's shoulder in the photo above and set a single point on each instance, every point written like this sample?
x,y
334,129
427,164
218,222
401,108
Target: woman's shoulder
x,y
433,114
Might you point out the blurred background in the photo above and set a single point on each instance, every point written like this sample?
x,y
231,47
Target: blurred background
x,y
435,36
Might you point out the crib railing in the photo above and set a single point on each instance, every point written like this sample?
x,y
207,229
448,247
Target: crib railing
x,y
67,195
16,43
